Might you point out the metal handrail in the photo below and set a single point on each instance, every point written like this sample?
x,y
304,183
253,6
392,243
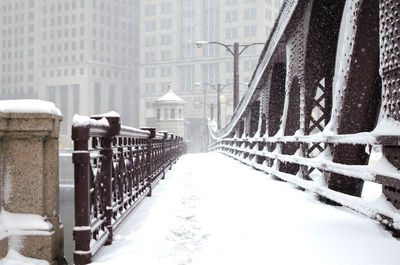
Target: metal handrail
x,y
116,167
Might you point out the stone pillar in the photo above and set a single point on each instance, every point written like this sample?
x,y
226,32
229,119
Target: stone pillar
x,y
29,184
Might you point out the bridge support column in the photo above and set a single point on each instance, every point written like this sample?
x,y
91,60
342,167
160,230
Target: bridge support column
x,y
390,67
29,185
357,90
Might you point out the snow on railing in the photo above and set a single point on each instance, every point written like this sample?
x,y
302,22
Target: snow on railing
x,y
115,168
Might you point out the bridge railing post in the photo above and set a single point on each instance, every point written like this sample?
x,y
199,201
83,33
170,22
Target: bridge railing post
x,y
83,195
107,167
81,160
163,156
149,158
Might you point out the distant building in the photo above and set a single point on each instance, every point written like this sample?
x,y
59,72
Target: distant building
x,y
169,56
83,55
169,111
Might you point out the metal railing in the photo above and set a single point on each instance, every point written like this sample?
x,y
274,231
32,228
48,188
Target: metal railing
x,y
322,96
115,168
265,154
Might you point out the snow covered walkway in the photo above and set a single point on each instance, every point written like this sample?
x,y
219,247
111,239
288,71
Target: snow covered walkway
x,y
211,209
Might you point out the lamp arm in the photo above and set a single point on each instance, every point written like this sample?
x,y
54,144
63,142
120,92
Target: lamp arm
x,y
248,45
226,46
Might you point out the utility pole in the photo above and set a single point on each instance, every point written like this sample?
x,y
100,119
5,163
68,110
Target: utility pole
x,y
235,75
219,106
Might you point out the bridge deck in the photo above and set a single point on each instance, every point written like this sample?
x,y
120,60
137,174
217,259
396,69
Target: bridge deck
x,y
213,210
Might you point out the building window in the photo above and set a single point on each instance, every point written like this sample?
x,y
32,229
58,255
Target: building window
x,y
268,14
166,23
97,97
165,71
249,13
231,33
231,16
150,72
111,97
166,8
211,14
149,89
165,114
187,77
150,57
230,2
210,74
150,26
250,31
150,10
165,39
172,114
158,114
164,87
151,41
165,55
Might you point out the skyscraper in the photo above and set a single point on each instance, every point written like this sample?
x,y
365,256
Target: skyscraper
x,y
169,55
80,54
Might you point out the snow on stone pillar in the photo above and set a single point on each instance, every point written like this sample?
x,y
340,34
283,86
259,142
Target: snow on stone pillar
x,y
29,181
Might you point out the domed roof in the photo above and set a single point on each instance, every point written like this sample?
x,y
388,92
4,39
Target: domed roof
x,y
170,96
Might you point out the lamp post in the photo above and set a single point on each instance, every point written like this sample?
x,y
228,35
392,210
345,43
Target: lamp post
x,y
236,52
211,106
218,87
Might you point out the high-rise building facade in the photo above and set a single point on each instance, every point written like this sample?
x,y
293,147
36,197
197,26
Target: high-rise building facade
x,y
81,54
169,30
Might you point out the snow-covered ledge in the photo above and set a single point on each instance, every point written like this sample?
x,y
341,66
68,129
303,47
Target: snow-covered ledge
x,y
29,192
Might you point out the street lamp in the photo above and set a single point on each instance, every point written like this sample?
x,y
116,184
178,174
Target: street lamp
x,y
204,118
211,106
218,87
236,52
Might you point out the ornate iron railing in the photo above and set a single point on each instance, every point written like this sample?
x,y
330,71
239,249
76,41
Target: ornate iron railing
x,y
325,92
115,168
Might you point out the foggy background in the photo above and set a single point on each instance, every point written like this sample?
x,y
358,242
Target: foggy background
x,y
94,56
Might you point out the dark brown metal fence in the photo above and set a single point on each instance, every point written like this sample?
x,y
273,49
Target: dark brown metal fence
x,y
115,168
325,92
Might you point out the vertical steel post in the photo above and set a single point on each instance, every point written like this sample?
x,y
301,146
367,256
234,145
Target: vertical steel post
x,y
235,75
218,106
204,118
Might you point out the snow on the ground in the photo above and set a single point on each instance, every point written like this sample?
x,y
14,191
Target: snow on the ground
x,y
213,210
